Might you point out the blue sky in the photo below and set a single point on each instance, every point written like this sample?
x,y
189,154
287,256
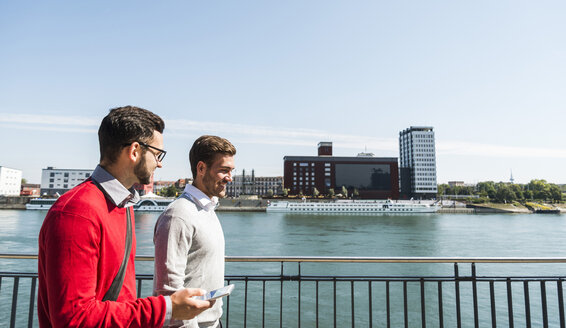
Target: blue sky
x,y
277,77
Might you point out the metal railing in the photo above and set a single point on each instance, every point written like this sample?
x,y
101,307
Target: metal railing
x,y
363,291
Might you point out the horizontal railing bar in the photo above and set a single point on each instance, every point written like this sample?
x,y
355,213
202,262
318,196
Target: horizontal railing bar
x,y
349,278
337,259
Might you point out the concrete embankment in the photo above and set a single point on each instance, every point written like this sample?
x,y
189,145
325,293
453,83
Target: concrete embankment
x,y
500,208
13,202
456,210
242,205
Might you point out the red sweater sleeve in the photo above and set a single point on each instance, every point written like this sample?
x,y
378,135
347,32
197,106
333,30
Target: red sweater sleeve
x,y
70,288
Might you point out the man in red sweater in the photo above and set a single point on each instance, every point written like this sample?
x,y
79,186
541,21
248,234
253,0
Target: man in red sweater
x,y
82,241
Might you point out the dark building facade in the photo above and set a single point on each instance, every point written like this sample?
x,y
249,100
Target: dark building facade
x,y
372,177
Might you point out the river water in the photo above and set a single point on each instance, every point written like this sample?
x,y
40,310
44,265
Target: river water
x,y
278,234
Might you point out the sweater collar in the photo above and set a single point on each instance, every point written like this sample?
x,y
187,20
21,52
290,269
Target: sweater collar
x,y
114,190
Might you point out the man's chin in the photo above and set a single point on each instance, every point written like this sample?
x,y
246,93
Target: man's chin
x,y
222,193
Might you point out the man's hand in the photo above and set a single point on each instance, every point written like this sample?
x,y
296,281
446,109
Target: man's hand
x,y
185,307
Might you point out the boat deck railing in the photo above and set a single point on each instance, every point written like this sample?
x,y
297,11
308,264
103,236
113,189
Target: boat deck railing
x,y
360,291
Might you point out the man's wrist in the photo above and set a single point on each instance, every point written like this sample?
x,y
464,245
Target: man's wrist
x,y
168,310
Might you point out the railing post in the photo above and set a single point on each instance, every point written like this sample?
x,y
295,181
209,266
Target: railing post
x,y
492,301
440,306
423,304
405,305
457,291
560,303
299,297
263,306
334,279
527,304
353,304
388,304
14,301
475,296
281,300
510,303
543,302
31,302
370,305
246,303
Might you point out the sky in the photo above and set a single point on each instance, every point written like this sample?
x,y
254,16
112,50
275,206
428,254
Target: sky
x,y
277,77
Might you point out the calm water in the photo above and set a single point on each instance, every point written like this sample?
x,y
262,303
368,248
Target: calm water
x,y
277,234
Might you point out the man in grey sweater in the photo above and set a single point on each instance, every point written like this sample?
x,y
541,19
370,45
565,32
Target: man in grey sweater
x,y
189,241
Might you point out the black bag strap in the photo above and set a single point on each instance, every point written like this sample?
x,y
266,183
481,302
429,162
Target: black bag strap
x,y
116,286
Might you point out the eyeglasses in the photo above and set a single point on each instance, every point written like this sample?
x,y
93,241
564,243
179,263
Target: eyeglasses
x,y
161,153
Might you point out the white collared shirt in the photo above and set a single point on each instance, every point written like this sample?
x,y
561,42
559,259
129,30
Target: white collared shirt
x,y
200,198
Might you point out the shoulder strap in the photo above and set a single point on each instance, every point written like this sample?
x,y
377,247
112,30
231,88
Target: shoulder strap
x,y
116,286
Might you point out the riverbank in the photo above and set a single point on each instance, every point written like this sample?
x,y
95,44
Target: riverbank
x,y
260,205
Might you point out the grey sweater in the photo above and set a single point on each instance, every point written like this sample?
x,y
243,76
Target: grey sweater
x,y
189,252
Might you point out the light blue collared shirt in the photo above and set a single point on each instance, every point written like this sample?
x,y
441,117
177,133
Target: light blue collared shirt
x,y
114,189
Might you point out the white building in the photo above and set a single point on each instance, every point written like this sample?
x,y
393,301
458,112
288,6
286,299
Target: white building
x,y
58,181
243,184
10,181
417,156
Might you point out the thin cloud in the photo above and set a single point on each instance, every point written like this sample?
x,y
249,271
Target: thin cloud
x,y
272,135
488,150
48,120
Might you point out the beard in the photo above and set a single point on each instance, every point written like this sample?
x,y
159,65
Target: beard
x,y
142,173
213,188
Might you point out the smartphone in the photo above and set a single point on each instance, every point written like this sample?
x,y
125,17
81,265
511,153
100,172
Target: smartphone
x,y
217,293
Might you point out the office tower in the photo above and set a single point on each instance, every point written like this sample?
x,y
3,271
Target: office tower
x,y
417,163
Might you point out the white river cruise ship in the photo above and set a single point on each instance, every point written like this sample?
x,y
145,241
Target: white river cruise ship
x,y
144,205
355,206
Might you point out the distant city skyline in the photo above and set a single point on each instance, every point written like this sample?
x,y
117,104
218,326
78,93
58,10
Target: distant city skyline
x,y
277,78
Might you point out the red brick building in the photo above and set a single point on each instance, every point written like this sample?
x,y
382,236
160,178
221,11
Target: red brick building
x,y
372,177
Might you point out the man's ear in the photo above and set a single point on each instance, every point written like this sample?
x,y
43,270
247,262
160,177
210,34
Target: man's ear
x,y
201,168
133,152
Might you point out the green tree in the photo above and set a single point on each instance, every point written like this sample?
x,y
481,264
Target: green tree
x,y
331,193
486,189
24,181
344,192
540,189
504,193
356,193
170,191
270,193
555,193
518,190
315,192
285,192
441,190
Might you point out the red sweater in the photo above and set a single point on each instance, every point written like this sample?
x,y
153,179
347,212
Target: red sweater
x,y
81,247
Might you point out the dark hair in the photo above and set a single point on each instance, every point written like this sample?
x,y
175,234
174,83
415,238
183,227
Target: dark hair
x,y
205,148
124,125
